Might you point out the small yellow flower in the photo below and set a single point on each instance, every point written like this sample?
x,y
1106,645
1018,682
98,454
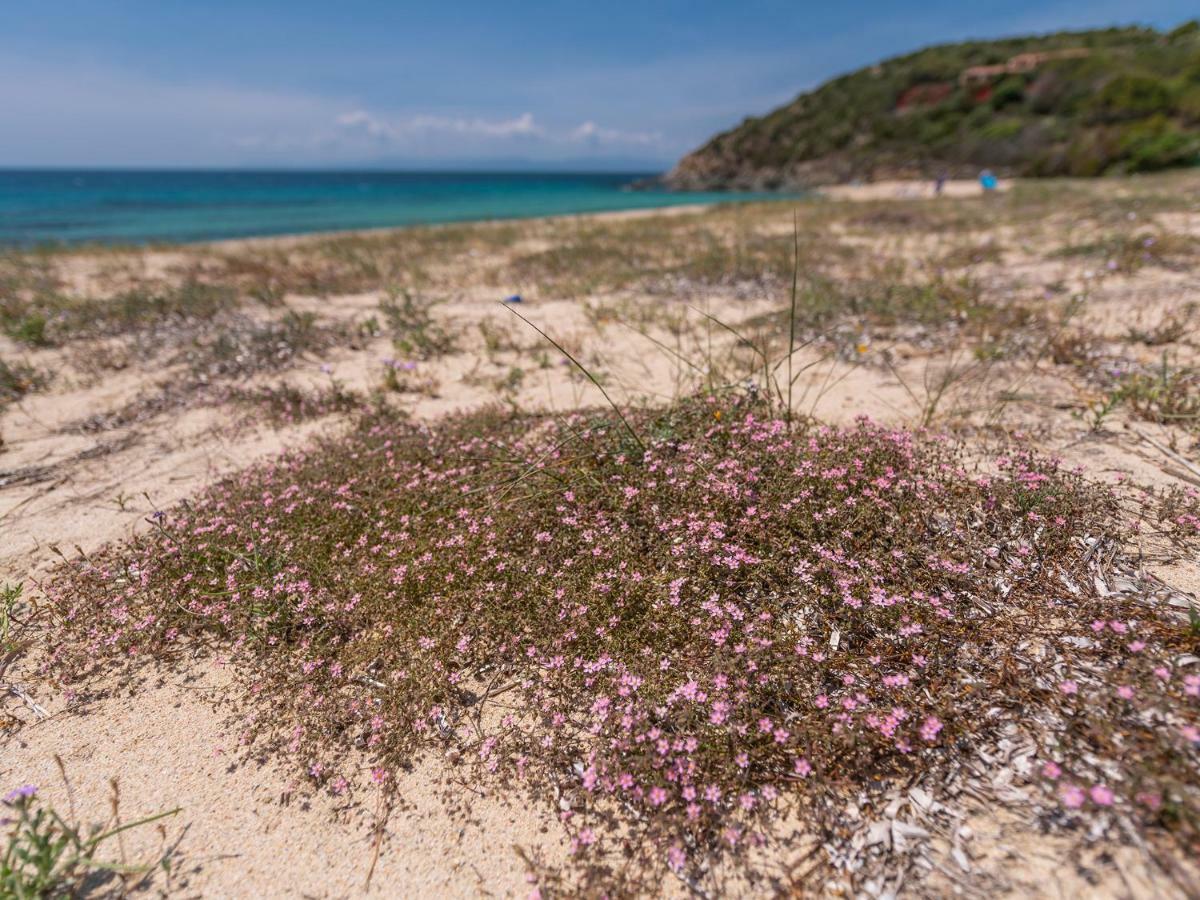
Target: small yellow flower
x,y
717,415
861,348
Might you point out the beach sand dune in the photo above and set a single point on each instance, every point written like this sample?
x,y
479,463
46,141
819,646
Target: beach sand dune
x,y
130,423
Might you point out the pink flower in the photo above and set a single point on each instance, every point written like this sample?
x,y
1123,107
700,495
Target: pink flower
x,y
1149,800
658,796
1101,795
1051,770
1072,796
720,711
676,858
1068,687
930,728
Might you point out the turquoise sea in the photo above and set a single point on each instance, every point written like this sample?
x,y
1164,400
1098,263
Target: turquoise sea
x,y
127,206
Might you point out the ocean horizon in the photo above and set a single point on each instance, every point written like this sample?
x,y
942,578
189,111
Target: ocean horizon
x,y
140,206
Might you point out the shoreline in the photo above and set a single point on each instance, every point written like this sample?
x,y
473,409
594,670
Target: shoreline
x,y
895,189
293,237
299,237
900,189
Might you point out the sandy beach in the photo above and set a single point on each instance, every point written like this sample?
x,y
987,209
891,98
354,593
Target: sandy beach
x,y
1063,311
909,190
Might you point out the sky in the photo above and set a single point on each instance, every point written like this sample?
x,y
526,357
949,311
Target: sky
x,y
561,84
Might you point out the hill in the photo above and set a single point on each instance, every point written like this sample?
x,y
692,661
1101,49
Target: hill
x,y
1072,103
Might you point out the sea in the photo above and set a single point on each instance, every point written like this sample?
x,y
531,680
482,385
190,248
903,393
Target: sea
x,y
159,206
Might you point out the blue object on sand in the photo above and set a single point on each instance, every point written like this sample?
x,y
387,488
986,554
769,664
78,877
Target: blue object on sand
x,y
988,180
515,298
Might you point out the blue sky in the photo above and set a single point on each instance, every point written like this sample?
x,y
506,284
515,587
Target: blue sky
x,y
601,84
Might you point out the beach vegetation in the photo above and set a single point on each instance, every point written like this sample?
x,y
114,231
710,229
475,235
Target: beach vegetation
x,y
50,318
414,330
1127,252
46,855
18,379
674,626
285,404
1167,393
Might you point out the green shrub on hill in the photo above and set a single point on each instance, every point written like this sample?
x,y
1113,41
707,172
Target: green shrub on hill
x,y
1074,103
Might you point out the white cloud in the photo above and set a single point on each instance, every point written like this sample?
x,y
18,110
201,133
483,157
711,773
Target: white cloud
x,y
362,123
522,125
591,133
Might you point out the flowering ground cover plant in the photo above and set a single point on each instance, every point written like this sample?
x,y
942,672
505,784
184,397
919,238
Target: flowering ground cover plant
x,y
678,626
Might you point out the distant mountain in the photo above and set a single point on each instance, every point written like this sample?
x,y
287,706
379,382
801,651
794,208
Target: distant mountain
x,y
1072,103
